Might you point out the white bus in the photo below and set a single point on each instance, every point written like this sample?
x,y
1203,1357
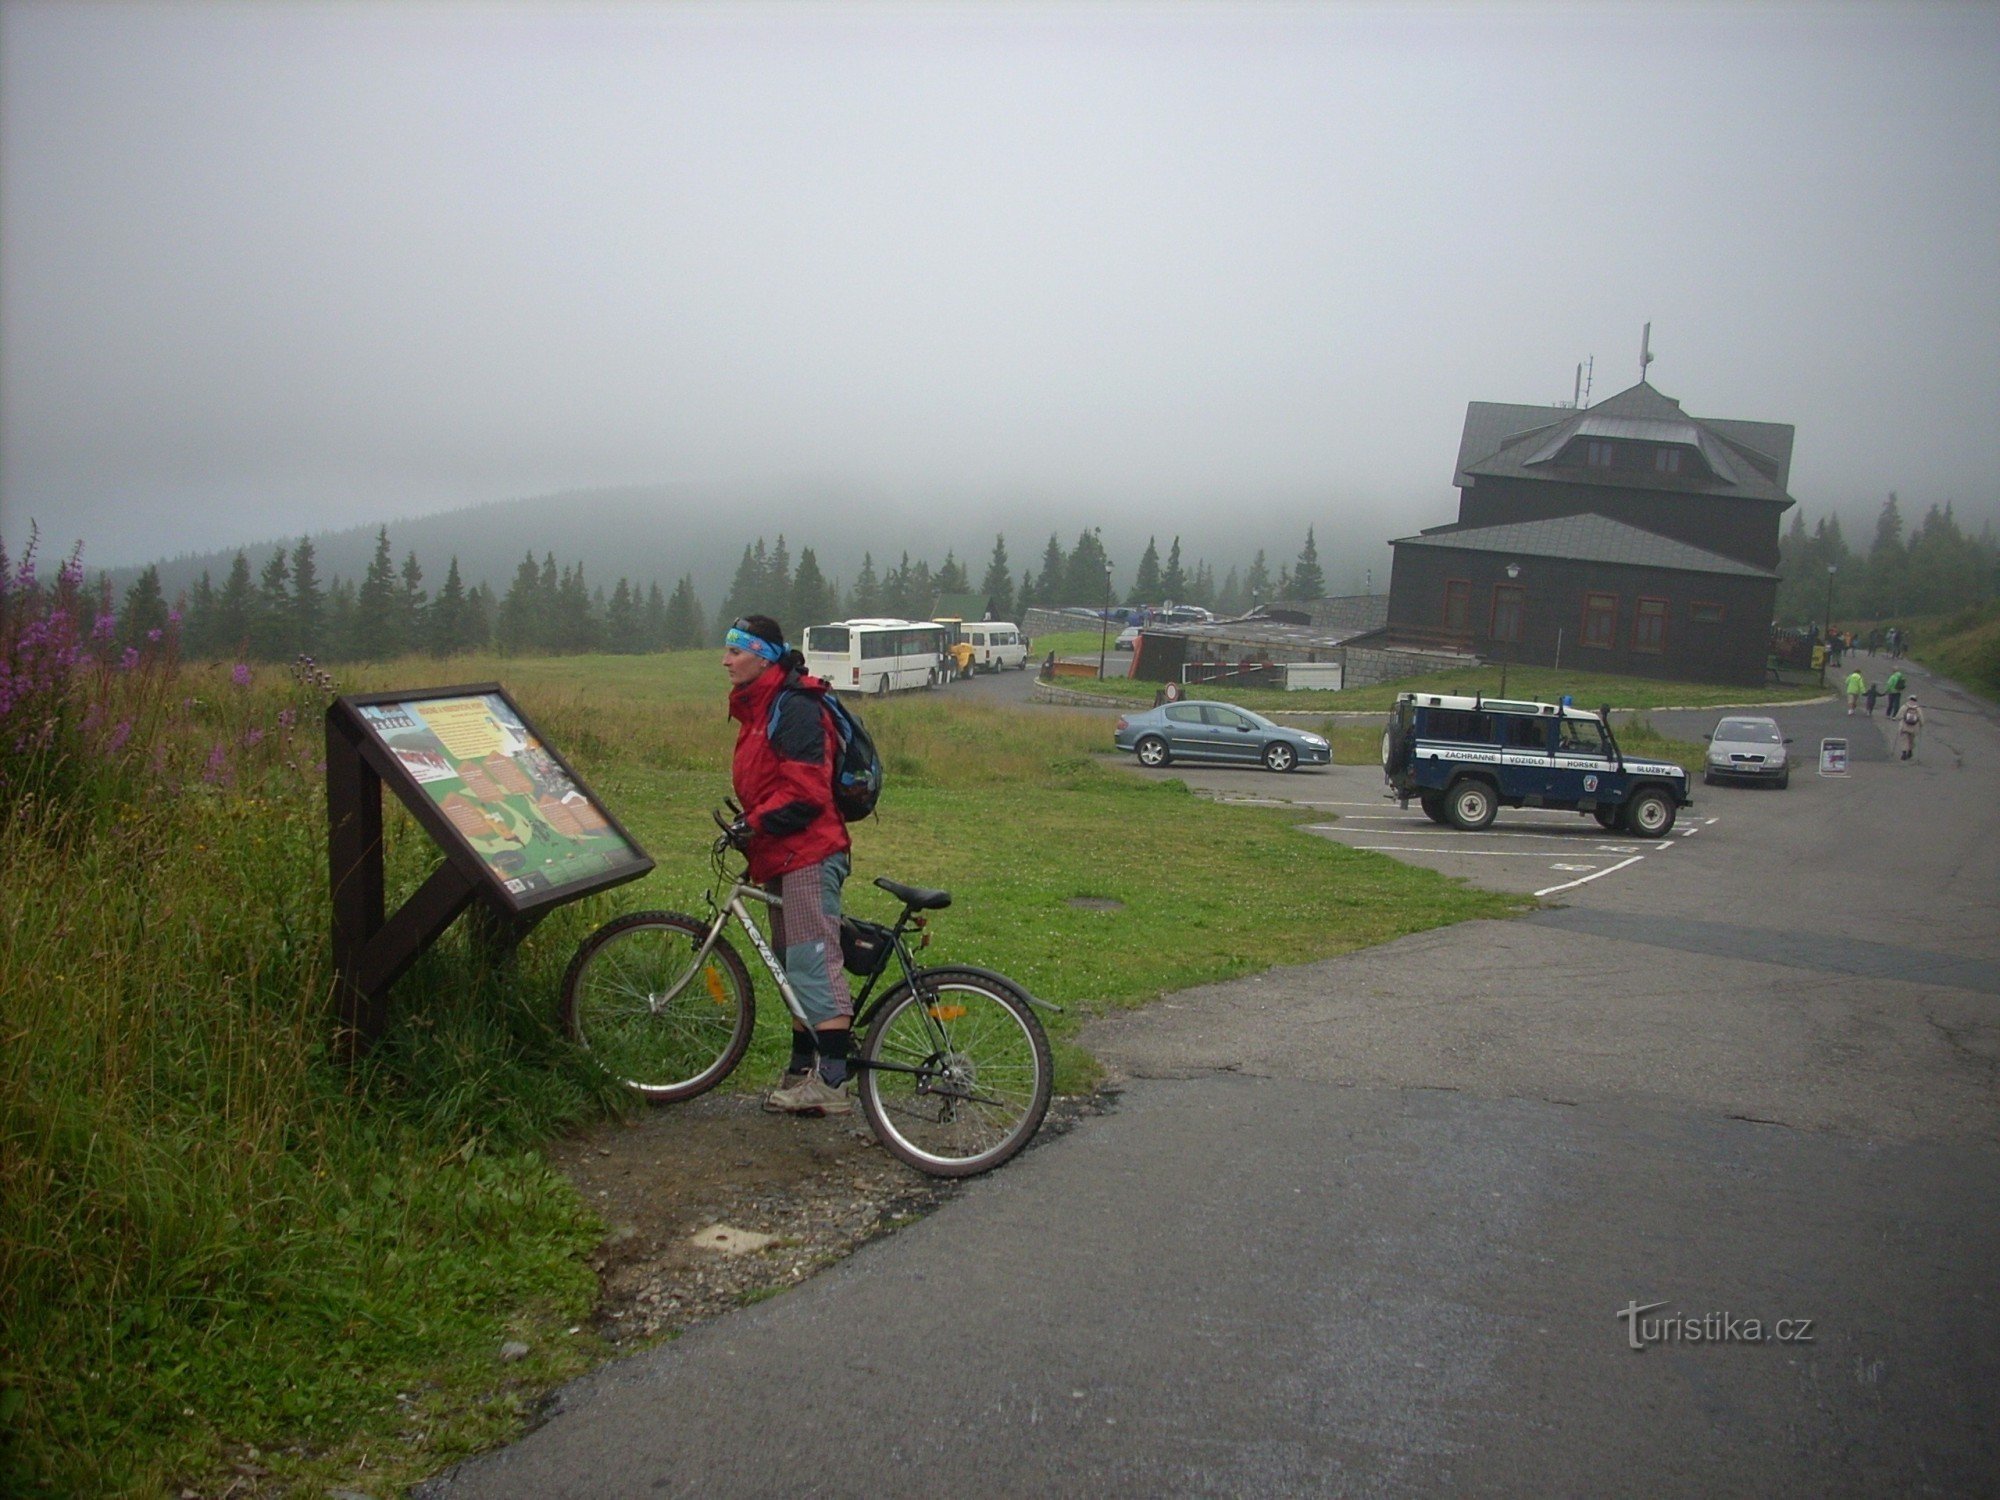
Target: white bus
x,y
877,656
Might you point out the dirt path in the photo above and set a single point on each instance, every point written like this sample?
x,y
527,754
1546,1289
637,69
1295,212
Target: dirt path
x,y
818,1188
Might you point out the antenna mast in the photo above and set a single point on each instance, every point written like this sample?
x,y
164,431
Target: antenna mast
x,y
1589,374
1645,352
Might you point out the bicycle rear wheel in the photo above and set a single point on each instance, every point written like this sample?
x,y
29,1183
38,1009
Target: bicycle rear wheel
x,y
656,1020
956,1072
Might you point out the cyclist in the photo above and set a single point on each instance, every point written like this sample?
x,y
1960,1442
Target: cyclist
x,y
798,846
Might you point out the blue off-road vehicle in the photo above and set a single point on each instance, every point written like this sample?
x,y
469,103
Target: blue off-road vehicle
x,y
1464,759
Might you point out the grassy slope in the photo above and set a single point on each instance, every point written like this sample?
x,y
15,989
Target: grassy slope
x,y
213,1237
1965,647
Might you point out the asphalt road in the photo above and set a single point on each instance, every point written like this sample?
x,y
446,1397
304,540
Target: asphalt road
x,y
1393,1223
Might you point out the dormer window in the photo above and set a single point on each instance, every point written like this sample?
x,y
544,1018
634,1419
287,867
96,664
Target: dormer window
x,y
1666,460
1601,455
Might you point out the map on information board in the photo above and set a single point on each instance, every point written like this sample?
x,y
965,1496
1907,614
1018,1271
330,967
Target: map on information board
x,y
502,792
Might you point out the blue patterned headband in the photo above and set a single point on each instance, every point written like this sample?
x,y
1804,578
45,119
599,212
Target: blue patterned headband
x,y
743,640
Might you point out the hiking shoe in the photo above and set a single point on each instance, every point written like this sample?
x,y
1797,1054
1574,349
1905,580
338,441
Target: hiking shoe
x,y
811,1095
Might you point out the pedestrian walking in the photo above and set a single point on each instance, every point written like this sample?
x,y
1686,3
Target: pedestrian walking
x,y
1855,688
1897,682
1908,727
1874,692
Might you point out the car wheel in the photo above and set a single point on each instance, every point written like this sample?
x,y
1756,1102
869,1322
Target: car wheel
x,y
1152,751
1650,814
1608,817
882,686
1433,806
1471,805
1708,778
1784,781
1279,756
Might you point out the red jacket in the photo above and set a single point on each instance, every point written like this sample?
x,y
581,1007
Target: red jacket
x,y
784,776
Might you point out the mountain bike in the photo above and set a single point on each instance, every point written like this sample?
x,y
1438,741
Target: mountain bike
x,y
953,1067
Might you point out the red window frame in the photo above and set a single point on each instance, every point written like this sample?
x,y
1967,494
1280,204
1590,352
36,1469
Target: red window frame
x,y
1516,600
1649,625
1458,605
1705,611
1600,621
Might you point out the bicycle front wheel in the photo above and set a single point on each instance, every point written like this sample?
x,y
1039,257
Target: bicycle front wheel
x,y
956,1073
657,1020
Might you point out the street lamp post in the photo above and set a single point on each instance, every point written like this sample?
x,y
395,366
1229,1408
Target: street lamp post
x,y
1826,638
1104,621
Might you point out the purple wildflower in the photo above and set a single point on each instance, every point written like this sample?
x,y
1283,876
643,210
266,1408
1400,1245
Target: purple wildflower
x,y
120,733
240,674
130,659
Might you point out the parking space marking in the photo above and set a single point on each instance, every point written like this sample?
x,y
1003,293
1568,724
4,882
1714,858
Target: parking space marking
x,y
1457,853
1586,879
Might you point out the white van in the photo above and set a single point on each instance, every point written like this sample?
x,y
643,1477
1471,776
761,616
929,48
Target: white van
x,y
995,644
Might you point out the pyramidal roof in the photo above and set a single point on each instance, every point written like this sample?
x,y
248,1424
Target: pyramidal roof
x,y
1750,459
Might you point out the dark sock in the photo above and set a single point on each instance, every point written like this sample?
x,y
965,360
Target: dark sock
x,y
835,1047
803,1054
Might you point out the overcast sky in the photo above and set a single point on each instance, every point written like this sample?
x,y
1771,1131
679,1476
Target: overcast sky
x,y
266,269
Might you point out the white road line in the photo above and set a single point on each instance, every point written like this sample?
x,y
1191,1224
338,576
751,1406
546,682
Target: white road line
x,y
1491,833
1456,853
1585,880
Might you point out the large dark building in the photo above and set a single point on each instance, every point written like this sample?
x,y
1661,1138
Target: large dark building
x,y
1624,537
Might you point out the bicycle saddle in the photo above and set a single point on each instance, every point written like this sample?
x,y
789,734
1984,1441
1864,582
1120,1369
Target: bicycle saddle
x,y
914,897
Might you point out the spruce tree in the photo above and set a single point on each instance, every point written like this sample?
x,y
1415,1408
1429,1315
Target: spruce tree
x,y
1086,574
410,607
1049,583
271,617
308,600
812,601
377,629
684,621
477,631
998,585
197,626
621,621
864,600
777,592
951,577
444,621
142,623
1146,582
746,590
1308,582
653,618
235,608
1257,582
1173,582
519,625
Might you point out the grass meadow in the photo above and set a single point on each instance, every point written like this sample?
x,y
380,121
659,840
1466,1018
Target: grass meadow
x,y
225,1256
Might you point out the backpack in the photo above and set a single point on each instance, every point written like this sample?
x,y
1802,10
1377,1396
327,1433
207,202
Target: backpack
x,y
857,766
1910,716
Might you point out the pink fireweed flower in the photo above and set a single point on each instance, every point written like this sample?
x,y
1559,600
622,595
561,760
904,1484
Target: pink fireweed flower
x,y
105,628
129,660
252,738
217,769
153,634
120,733
240,674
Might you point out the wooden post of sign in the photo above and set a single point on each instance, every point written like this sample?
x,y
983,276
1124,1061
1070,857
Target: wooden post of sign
x,y
371,950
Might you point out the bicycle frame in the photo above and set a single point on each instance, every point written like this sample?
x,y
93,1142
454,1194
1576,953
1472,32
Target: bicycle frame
x,y
732,905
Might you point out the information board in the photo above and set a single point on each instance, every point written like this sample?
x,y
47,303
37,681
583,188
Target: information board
x,y
500,794
1833,757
